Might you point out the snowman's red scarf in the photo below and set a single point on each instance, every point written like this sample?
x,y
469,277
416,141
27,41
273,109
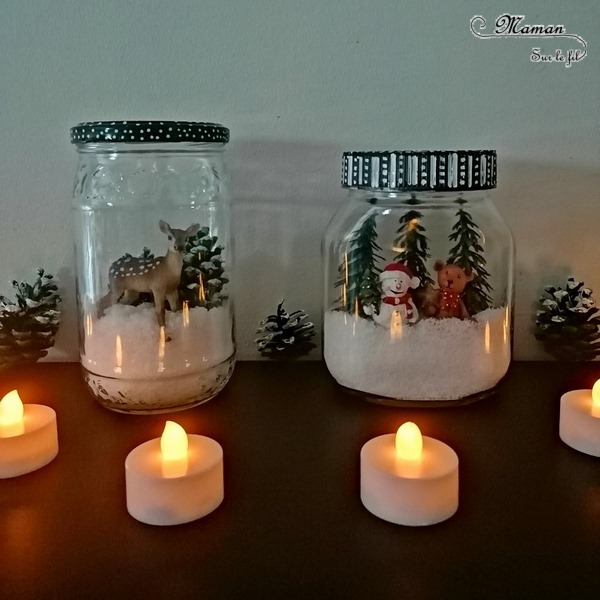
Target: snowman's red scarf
x,y
398,300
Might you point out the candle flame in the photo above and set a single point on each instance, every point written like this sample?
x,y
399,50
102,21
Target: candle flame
x,y
596,399
174,450
11,415
409,442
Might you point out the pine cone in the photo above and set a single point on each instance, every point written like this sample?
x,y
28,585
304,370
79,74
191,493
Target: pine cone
x,y
28,325
285,335
203,275
568,324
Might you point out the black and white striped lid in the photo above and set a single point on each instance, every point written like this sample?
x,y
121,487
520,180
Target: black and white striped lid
x,y
407,170
143,132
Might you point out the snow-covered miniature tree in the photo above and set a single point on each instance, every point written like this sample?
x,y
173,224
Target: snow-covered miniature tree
x,y
29,324
203,275
567,322
285,335
358,270
414,245
468,254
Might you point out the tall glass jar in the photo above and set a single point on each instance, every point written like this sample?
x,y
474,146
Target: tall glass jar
x,y
153,254
418,279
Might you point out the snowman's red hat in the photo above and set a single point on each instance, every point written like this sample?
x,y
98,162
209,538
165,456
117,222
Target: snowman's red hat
x,y
393,269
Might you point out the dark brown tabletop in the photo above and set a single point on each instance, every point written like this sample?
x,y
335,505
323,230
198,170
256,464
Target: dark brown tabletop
x,y
292,524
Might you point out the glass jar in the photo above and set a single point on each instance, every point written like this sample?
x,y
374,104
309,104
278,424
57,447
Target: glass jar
x,y
418,279
153,253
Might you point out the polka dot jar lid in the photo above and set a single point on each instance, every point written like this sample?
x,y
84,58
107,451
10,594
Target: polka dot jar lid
x,y
143,132
408,170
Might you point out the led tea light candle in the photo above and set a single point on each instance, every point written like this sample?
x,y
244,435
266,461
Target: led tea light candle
x,y
409,479
28,436
174,479
579,425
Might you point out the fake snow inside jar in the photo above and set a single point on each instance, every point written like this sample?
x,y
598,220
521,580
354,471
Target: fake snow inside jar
x,y
418,279
152,245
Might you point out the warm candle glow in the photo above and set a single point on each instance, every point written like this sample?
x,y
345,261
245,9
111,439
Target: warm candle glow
x,y
596,399
162,337
201,292
409,442
118,355
11,415
174,450
396,326
185,312
486,337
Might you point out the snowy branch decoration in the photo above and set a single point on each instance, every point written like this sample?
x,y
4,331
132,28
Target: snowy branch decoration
x,y
414,245
358,271
285,335
568,323
468,254
29,323
203,276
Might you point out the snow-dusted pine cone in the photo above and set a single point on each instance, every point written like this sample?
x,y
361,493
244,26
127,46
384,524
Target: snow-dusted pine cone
x,y
29,324
203,276
568,323
285,335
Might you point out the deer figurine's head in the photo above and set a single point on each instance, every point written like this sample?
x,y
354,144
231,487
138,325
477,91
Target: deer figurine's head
x,y
159,276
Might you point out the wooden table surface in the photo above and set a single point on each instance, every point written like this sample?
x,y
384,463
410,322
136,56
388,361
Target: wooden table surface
x,y
292,524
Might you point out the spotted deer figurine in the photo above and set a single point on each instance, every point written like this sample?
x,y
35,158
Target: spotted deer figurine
x,y
129,276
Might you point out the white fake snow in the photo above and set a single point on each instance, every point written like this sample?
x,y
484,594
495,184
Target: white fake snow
x,y
150,371
434,359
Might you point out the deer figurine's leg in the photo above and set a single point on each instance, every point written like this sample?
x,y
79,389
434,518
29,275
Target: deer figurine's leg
x,y
173,299
129,297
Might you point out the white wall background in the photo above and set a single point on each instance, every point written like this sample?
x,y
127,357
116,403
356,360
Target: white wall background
x,y
298,82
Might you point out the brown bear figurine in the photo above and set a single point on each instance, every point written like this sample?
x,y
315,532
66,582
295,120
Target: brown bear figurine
x,y
452,280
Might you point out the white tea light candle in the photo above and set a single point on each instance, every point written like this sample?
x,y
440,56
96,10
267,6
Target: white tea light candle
x,y
579,425
28,436
409,479
174,479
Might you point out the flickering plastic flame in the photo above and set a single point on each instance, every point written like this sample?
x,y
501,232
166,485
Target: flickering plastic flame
x,y
11,415
409,442
174,450
596,399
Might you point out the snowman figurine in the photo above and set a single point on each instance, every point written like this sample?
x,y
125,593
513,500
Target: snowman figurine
x,y
396,301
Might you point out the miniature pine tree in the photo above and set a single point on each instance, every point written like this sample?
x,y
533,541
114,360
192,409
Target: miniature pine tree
x,y
203,275
358,270
29,324
567,322
468,254
370,292
285,335
414,245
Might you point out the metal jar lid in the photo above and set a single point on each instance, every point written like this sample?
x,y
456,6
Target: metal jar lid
x,y
136,132
408,170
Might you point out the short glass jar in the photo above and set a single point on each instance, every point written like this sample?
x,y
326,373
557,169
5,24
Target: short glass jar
x,y
418,279
153,254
